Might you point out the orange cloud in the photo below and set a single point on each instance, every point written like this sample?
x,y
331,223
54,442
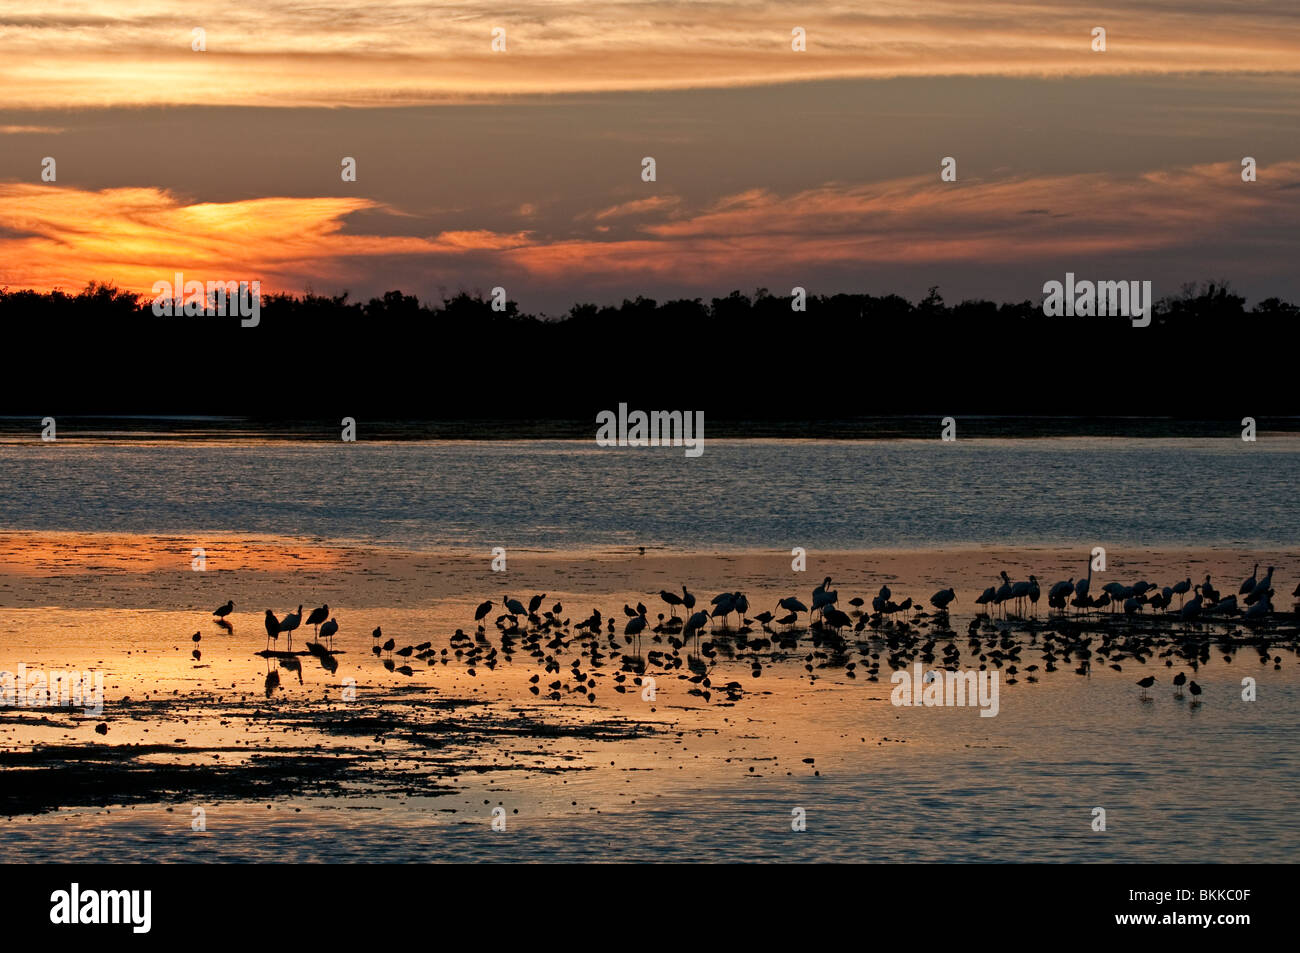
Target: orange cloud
x,y
60,237
336,52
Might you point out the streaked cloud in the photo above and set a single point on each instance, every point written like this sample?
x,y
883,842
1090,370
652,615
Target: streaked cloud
x,y
134,237
339,52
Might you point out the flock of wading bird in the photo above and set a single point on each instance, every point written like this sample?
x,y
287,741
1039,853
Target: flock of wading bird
x,y
1103,628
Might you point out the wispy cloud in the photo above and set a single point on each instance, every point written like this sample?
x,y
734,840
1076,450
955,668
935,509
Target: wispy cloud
x,y
338,52
65,237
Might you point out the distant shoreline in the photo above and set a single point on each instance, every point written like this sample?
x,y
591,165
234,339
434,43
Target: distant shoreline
x,y
900,427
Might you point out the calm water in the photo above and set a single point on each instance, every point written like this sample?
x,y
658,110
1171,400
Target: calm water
x,y
1210,781
740,494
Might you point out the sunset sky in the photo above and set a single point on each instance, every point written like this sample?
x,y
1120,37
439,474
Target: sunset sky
x,y
522,168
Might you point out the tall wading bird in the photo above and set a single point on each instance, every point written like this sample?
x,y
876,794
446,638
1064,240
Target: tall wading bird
x,y
724,603
1248,584
327,631
483,609
289,623
673,600
272,629
823,596
1081,588
1004,591
942,598
317,617
833,618
693,626
1208,592
1261,588
635,626
222,611
820,596
791,605
513,606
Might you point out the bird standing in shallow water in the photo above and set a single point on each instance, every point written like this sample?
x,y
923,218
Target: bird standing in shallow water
x,y
289,623
327,631
1145,683
317,617
1179,681
272,629
222,611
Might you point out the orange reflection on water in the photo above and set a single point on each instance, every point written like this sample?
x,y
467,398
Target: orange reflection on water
x,y
58,554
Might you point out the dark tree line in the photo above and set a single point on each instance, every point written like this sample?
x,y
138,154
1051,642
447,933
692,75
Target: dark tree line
x,y
103,350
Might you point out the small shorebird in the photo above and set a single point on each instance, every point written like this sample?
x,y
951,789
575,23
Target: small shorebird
x,y
222,611
1145,683
1179,681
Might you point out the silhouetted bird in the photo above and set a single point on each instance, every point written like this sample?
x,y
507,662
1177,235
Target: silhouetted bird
x,y
272,630
317,617
327,631
289,623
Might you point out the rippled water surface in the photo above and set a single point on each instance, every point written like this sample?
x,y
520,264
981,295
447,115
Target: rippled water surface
x,y
739,494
